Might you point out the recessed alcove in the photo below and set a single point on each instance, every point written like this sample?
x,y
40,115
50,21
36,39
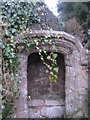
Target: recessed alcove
x,y
53,100
47,99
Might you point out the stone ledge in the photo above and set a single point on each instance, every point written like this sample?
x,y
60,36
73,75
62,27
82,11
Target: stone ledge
x,y
54,102
38,33
40,102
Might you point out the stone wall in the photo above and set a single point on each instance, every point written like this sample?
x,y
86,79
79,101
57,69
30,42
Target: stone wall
x,y
39,86
76,76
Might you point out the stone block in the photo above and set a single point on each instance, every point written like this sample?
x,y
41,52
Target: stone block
x,y
36,102
23,114
34,113
53,112
21,104
54,102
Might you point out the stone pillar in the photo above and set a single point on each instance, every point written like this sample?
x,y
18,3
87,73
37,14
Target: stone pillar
x,y
82,85
70,85
21,103
76,84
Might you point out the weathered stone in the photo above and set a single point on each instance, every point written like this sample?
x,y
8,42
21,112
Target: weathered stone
x,y
22,114
76,78
54,102
39,86
52,112
34,113
36,102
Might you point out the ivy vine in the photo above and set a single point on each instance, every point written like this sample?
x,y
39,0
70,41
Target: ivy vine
x,y
52,67
15,17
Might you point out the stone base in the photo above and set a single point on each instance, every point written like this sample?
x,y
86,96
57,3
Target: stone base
x,y
46,108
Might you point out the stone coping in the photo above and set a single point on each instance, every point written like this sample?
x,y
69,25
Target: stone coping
x,y
53,34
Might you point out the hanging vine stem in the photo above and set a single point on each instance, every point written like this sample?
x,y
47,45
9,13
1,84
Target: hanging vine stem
x,y
53,67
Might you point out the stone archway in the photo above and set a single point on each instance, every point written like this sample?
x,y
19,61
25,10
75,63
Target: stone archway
x,y
76,78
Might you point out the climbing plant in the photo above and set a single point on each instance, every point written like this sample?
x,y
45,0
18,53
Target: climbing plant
x,y
15,17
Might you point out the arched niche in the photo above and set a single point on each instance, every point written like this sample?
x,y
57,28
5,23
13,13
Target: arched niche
x,y
76,77
48,99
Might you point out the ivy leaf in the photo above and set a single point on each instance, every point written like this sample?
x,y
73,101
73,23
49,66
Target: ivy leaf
x,y
48,57
46,40
55,76
11,61
11,40
3,107
54,81
51,73
13,31
54,55
16,26
58,36
50,68
13,55
7,33
50,42
37,48
56,69
4,25
54,47
15,89
37,43
45,51
50,78
42,58
40,50
47,36
47,71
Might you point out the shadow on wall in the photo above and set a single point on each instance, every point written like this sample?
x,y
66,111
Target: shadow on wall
x,y
47,99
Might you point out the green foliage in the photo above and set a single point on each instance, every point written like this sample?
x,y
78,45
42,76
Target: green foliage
x,y
51,67
15,17
79,10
